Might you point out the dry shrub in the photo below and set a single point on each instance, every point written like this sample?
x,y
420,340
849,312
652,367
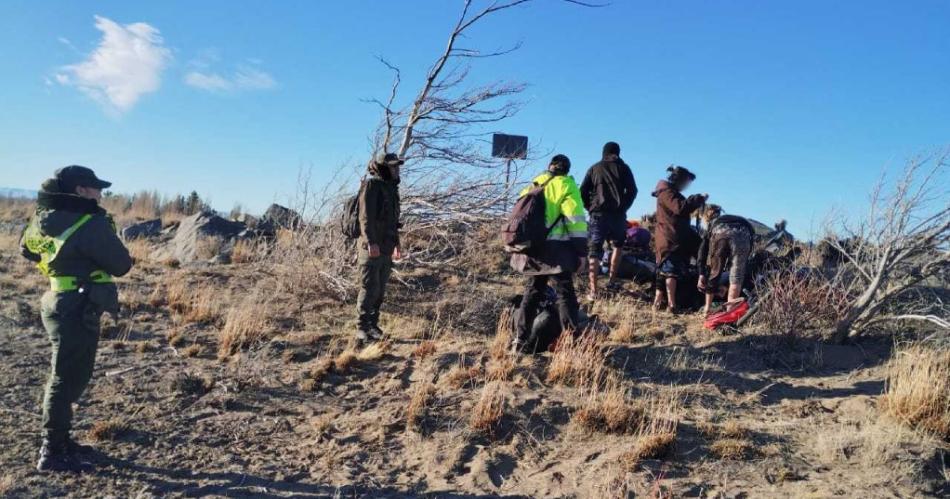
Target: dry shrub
x,y
307,385
192,384
110,429
246,324
174,337
795,302
419,399
143,347
577,361
425,349
918,388
488,410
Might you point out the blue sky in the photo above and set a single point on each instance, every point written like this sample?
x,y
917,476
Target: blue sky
x,y
783,109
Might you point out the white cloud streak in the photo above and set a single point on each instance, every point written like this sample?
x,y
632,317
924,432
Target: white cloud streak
x,y
127,64
244,78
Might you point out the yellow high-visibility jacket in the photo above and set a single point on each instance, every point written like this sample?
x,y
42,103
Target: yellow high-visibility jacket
x,y
567,241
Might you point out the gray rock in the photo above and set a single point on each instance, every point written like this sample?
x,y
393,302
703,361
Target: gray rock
x,y
281,217
195,235
150,228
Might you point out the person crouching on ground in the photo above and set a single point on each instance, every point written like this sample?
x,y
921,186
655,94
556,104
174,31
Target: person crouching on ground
x,y
73,241
379,241
561,256
608,191
676,241
727,243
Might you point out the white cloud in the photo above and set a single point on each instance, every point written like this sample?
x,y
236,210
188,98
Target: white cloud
x,y
127,64
245,77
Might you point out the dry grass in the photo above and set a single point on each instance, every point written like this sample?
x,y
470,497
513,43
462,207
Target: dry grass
x,y
419,399
608,408
501,344
307,385
345,360
320,368
110,429
500,368
7,484
248,251
192,384
209,247
462,374
373,351
139,250
576,361
918,389
489,409
425,349
648,446
246,324
193,350
733,449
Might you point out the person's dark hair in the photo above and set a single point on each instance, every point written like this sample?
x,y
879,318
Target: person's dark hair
x,y
611,150
560,165
678,175
52,185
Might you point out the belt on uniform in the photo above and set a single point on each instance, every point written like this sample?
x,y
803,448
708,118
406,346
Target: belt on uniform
x,y
64,283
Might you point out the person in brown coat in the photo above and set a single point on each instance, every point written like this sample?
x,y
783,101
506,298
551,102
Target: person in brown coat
x,y
676,241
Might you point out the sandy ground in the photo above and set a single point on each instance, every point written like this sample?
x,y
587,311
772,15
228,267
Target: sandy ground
x,y
187,424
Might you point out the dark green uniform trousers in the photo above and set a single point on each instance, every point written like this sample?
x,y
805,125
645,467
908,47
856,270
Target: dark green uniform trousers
x,y
73,326
374,275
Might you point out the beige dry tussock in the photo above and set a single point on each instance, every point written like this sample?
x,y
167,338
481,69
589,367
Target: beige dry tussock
x,y
577,361
489,409
918,389
246,324
419,399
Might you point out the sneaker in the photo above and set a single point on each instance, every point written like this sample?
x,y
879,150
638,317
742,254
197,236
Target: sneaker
x,y
56,458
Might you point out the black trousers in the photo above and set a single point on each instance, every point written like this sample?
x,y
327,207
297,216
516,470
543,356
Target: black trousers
x,y
567,306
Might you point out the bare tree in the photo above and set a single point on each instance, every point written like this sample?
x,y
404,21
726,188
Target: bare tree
x,y
443,131
897,257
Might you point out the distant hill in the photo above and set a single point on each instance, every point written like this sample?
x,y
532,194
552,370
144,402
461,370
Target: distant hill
x,y
9,192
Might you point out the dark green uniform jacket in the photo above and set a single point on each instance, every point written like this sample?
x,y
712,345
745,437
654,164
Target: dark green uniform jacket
x,y
379,215
72,317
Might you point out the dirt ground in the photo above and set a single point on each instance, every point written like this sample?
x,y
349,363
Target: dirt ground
x,y
758,415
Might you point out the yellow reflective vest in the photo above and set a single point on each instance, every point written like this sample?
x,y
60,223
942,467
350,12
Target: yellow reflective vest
x,y
567,241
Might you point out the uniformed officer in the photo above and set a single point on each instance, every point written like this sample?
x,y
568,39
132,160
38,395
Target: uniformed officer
x,y
74,243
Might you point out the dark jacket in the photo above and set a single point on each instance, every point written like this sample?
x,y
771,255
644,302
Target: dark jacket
x,y
673,233
609,187
704,246
379,214
95,246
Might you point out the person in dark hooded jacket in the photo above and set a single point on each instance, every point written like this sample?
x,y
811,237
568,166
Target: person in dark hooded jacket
x,y
74,243
379,241
608,191
676,242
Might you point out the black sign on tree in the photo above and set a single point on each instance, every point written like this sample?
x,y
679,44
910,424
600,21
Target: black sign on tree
x,y
509,147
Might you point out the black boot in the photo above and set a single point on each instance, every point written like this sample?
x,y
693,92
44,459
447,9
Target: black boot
x,y
73,447
54,457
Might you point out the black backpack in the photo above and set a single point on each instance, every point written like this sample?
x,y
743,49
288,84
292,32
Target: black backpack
x,y
350,217
526,228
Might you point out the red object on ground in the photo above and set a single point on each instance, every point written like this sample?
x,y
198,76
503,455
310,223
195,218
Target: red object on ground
x,y
727,317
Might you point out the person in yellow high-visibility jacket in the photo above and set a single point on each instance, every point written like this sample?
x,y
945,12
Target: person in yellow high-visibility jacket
x,y
562,255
